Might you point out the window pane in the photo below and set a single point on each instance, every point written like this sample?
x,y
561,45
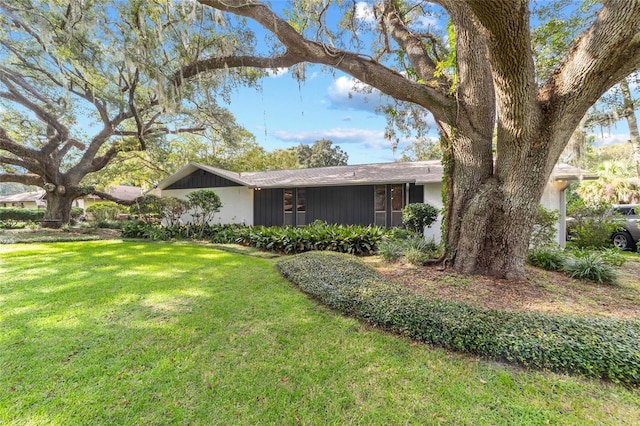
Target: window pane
x,y
302,200
288,200
396,198
381,198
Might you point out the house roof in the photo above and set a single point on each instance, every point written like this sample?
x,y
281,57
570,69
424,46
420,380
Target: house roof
x,y
418,172
122,192
23,197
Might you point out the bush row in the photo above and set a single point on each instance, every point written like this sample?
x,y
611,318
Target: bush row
x,y
354,239
594,347
30,215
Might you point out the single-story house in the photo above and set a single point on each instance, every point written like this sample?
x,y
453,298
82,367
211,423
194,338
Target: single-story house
x,y
366,194
27,200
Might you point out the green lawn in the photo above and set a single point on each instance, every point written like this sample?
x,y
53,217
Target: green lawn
x,y
112,332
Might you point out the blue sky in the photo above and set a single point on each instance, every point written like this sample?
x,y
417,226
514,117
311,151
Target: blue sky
x,y
285,114
325,106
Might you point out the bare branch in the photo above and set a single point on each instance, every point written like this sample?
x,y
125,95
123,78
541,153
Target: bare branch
x,y
24,163
14,95
109,197
25,179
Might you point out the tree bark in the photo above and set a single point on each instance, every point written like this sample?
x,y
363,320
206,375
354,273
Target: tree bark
x,y
58,212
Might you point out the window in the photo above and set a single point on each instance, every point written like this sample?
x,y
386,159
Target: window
x,y
302,200
397,200
301,203
397,203
288,206
295,216
381,205
288,200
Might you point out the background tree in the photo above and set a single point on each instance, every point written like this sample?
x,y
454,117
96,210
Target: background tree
x,y
487,85
421,150
619,104
79,85
321,154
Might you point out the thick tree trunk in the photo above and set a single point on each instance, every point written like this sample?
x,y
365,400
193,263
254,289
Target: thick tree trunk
x,y
58,212
490,213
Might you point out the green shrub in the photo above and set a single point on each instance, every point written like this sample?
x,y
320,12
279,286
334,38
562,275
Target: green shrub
x,y
108,224
590,265
76,212
391,250
417,216
149,207
592,226
594,347
204,204
613,256
544,229
415,256
17,214
549,258
104,211
135,229
12,224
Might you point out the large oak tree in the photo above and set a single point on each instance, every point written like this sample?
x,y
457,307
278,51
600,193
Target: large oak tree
x,y
486,86
80,84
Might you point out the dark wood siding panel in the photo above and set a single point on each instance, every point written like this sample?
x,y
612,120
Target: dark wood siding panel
x,y
349,205
268,207
416,193
202,179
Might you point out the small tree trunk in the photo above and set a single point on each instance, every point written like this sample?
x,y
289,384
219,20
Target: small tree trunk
x,y
58,212
630,115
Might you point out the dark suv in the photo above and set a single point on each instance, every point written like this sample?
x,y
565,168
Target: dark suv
x,y
627,238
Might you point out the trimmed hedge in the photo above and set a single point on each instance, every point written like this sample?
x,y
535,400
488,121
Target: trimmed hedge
x,y
31,215
594,347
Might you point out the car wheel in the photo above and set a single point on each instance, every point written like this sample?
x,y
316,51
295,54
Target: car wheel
x,y
623,241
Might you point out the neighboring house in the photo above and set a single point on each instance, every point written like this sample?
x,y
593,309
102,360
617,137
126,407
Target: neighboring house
x,y
368,194
121,192
27,200
37,199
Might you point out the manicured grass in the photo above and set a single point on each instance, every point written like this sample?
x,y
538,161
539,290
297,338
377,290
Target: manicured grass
x,y
114,332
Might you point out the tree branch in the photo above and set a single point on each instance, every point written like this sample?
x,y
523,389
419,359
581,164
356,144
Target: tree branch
x,y
606,53
14,95
300,50
7,144
25,179
109,197
414,47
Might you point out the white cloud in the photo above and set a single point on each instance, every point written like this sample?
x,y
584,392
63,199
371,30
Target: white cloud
x,y
339,136
277,72
352,94
426,22
364,12
610,139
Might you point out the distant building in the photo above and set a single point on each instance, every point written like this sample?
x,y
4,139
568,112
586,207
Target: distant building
x,y
38,199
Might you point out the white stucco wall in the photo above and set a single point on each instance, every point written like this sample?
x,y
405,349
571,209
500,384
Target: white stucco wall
x,y
552,199
237,204
433,196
